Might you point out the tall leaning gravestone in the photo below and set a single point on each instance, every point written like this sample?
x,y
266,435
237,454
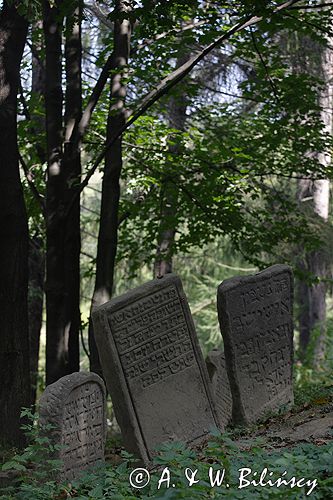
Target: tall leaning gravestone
x,y
255,314
153,367
75,407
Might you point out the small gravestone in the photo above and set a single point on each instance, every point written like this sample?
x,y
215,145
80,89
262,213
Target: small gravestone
x,y
215,363
75,407
255,314
153,367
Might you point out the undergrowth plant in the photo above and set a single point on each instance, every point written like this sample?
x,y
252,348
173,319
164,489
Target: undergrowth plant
x,y
211,471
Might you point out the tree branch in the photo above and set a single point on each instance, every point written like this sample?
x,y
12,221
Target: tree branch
x,y
169,82
94,9
236,96
309,23
177,32
24,102
319,6
84,122
262,60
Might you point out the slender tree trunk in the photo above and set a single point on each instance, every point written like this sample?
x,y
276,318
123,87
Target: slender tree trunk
x,y
36,250
63,231
72,169
169,191
35,306
15,390
38,89
56,340
108,229
312,299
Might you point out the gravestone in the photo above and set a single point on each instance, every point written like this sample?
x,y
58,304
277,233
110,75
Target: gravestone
x,y
76,408
255,314
217,371
153,367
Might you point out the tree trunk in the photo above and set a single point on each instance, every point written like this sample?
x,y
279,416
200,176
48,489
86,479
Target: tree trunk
x,y
169,190
36,250
56,341
108,229
312,319
72,168
15,390
38,90
63,231
35,306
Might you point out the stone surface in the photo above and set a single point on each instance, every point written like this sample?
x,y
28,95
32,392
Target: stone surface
x,y
255,314
217,371
153,367
75,406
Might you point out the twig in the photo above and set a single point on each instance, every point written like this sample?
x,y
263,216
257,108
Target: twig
x,y
83,342
273,87
24,102
39,198
318,6
128,213
170,32
94,189
89,210
87,255
81,128
89,234
309,23
237,96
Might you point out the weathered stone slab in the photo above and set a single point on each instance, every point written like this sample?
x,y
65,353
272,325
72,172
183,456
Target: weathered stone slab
x,y
75,406
255,314
153,367
217,371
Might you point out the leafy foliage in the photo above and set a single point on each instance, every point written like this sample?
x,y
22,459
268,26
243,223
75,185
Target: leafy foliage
x,y
205,466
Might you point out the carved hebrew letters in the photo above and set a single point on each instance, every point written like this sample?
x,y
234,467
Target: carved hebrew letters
x,y
152,362
83,428
149,354
255,315
75,406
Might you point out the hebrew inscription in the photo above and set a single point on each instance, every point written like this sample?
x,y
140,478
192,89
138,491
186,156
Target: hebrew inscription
x,y
75,406
152,361
255,314
150,354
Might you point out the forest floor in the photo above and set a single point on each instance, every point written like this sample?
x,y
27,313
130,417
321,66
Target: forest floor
x,y
299,440
308,422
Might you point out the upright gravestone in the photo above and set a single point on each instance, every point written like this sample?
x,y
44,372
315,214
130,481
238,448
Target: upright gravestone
x,y
75,407
255,314
153,367
217,371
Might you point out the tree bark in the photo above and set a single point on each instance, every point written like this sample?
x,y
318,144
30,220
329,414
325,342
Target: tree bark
x,y
72,167
56,341
63,227
108,229
38,90
169,192
312,317
36,250
15,390
35,306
